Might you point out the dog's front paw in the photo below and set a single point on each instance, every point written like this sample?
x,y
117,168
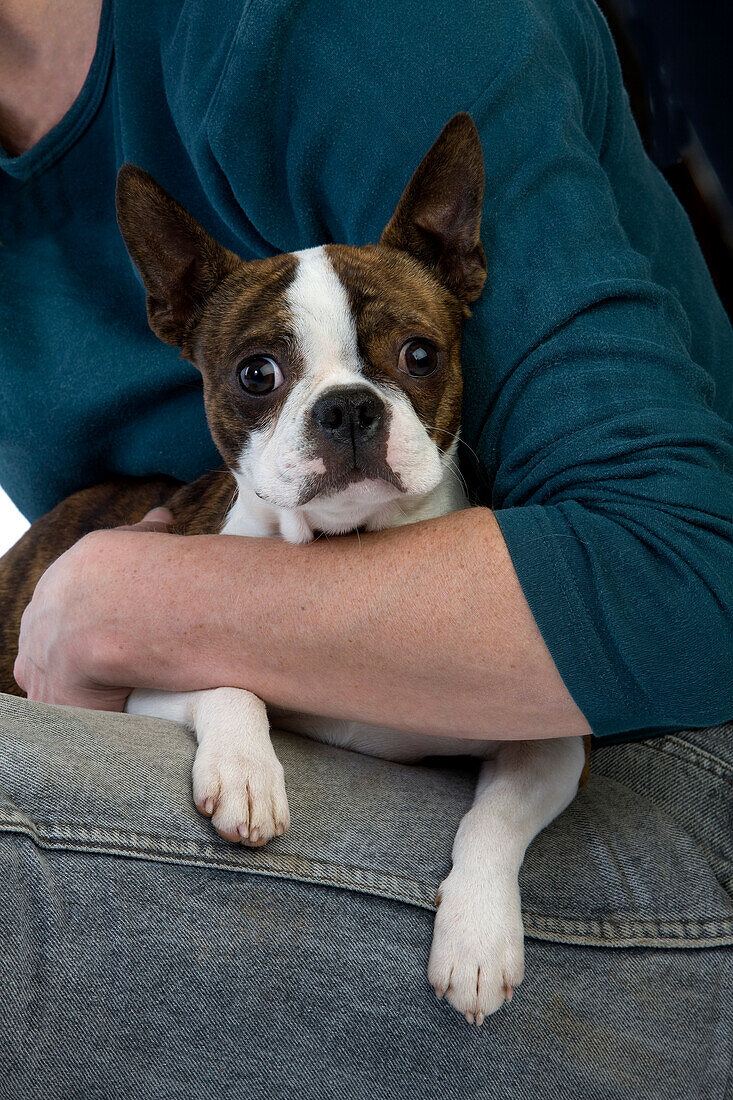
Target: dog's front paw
x,y
477,957
243,795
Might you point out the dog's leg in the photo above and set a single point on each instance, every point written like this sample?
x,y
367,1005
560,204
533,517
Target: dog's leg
x,y
477,958
237,779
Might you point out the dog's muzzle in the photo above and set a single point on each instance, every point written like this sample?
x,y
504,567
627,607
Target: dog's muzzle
x,y
349,431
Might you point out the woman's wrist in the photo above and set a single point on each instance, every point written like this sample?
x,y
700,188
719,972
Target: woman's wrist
x,y
140,632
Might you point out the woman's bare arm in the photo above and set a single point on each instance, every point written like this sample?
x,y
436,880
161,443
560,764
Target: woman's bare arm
x,y
420,628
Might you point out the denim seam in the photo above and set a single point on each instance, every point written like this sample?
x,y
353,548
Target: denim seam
x,y
607,932
148,846
693,754
152,843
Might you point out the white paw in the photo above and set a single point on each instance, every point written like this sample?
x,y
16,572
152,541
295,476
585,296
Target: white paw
x,y
243,795
477,957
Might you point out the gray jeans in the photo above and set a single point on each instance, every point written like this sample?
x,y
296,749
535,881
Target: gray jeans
x,y
143,956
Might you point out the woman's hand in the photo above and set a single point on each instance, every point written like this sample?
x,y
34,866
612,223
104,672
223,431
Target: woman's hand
x,y
68,629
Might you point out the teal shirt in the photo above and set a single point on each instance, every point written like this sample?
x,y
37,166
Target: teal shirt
x,y
598,363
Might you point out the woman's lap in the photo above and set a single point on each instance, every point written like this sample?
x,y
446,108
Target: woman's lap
x,y
144,956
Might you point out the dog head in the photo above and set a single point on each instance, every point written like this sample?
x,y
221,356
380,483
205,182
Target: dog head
x,y
332,376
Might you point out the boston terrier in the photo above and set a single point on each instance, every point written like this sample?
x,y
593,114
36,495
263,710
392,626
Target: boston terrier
x,y
332,385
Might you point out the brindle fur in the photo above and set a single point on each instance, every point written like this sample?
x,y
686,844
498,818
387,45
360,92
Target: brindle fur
x,y
419,305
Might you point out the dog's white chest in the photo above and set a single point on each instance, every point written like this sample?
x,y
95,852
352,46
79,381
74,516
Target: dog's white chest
x,y
405,748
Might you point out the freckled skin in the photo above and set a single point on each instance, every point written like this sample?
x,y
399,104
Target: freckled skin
x,y
118,502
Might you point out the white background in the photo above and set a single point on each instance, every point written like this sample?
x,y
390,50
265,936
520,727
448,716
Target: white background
x,y
12,524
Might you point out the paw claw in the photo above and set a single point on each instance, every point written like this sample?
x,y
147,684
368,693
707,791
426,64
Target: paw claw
x,y
244,797
477,957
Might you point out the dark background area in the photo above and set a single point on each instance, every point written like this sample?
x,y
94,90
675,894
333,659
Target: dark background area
x,y
675,55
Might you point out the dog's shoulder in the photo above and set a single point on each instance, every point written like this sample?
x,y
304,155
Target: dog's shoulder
x,y
201,507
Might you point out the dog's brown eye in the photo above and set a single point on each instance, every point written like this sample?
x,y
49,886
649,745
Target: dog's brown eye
x,y
260,375
418,358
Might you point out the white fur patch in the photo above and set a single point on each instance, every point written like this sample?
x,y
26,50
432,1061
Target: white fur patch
x,y
323,324
477,957
278,459
238,780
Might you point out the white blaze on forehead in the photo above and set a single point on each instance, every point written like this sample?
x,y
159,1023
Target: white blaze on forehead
x,y
323,323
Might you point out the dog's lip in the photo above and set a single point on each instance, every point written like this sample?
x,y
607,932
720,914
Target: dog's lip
x,y
324,487
313,492
364,481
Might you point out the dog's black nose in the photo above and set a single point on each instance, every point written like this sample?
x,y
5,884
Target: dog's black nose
x,y
352,414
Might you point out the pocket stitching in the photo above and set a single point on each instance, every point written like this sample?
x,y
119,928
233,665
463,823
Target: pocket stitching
x,y
609,932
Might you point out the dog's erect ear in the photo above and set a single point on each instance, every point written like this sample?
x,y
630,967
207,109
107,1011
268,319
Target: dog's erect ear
x,y
438,218
180,263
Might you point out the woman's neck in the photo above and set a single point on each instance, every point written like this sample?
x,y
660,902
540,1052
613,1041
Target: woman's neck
x,y
46,50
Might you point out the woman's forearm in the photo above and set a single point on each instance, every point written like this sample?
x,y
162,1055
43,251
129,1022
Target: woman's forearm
x,y
421,628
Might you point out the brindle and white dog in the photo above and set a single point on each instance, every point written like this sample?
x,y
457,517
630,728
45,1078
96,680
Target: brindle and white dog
x,y
332,384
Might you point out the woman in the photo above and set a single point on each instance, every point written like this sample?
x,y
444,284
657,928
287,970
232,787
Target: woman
x,y
591,591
